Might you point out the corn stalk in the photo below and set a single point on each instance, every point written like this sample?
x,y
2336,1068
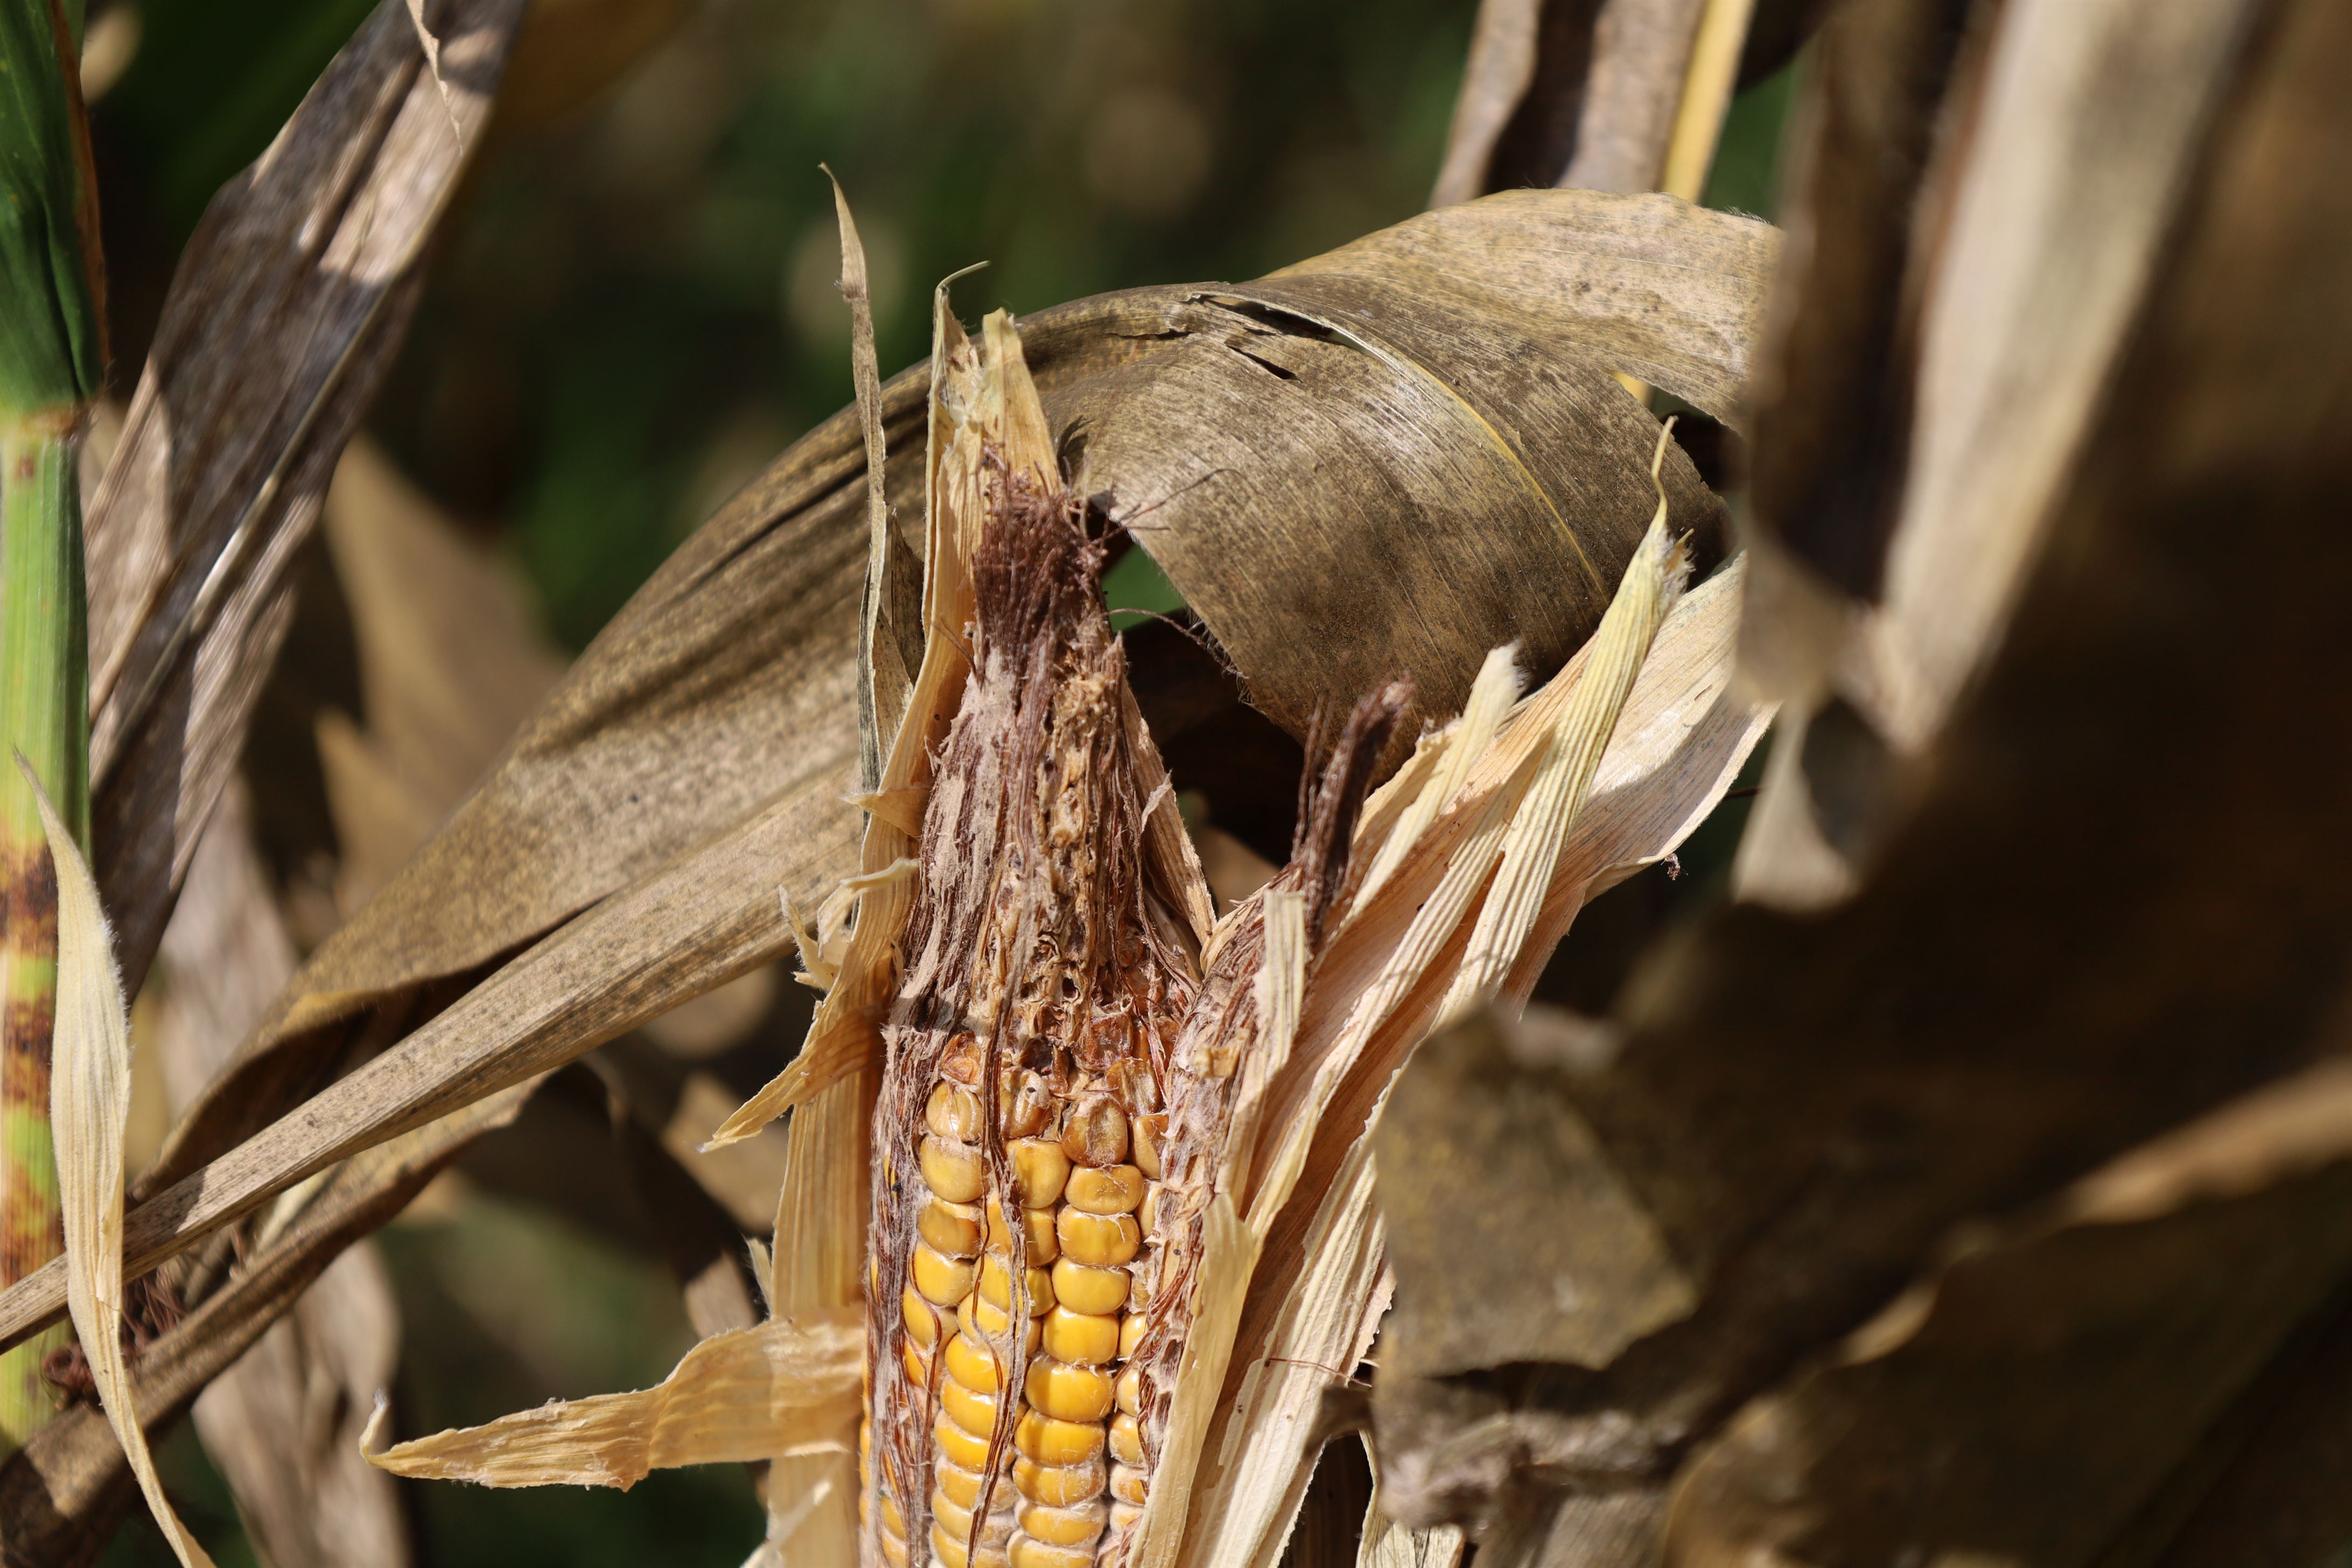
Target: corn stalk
x,y
51,358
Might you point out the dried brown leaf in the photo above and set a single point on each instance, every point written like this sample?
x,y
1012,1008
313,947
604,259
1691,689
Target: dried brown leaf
x,y
786,1387
2085,928
289,304
707,736
89,1102
2023,1401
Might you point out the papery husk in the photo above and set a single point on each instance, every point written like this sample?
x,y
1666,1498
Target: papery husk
x,y
89,1103
783,1389
710,794
63,1495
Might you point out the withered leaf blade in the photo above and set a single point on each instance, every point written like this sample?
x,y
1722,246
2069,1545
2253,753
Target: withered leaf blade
x,y
62,1495
753,1394
722,700
2084,931
1478,1134
288,305
2026,1400
89,1102
1579,94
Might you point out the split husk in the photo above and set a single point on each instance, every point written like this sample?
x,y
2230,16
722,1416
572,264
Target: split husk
x,y
707,735
1241,1139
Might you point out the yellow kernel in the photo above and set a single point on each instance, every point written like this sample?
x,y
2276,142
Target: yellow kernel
x,y
1075,1526
1059,1485
1025,1107
1151,1131
1095,1133
1116,1189
941,1279
922,1322
957,1518
1147,1212
959,1485
969,1409
1084,1289
981,1323
1069,1393
1131,1334
892,1519
894,1549
1036,1227
1050,1442
1130,1390
953,1112
996,1285
960,1446
1028,1552
1081,1337
916,1364
1125,1515
1100,1239
1126,1439
953,1228
972,1363
956,1171
1039,1171
949,1551
1129,1484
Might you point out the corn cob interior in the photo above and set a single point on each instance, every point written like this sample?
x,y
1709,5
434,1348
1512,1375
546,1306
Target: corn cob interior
x,y
1021,1117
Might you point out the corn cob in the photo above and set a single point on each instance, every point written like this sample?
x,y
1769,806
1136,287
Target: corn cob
x,y
1049,957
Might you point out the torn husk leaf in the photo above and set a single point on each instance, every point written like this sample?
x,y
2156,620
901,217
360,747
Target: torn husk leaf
x,y
787,1386
89,1101
1045,992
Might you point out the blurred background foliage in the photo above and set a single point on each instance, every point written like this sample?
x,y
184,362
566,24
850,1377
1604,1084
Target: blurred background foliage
x,y
634,311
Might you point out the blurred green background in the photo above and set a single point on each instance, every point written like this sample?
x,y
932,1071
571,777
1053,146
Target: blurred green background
x,y
634,311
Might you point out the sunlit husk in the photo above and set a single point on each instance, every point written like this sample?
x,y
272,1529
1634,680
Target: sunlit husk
x,y
89,1103
785,1388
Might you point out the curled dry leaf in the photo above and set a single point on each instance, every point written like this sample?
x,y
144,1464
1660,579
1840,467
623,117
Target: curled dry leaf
x,y
2081,930
1020,719
62,1495
2024,1401
709,734
89,1102
784,1387
289,302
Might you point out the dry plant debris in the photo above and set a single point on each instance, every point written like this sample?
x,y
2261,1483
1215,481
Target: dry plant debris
x,y
1060,1050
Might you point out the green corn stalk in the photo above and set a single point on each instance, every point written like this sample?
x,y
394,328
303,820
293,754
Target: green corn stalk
x,y
52,355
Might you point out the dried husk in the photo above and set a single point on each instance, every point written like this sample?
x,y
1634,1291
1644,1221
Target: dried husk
x,y
781,1389
1230,1062
89,1102
707,735
2078,930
